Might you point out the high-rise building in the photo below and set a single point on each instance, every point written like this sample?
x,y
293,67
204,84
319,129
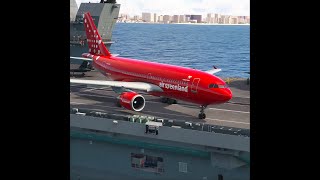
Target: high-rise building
x,y
241,20
247,19
227,19
210,18
234,20
160,18
124,16
147,17
136,18
166,19
222,19
182,18
217,18
155,17
175,19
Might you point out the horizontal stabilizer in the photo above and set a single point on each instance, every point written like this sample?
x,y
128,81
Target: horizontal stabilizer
x,y
214,70
89,59
81,58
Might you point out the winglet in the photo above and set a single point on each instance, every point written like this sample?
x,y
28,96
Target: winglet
x,y
95,44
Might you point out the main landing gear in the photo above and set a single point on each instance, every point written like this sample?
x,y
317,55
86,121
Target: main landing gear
x,y
117,102
202,115
168,100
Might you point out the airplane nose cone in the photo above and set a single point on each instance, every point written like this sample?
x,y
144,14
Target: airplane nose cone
x,y
227,94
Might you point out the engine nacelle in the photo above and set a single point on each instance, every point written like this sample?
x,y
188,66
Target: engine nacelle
x,y
132,101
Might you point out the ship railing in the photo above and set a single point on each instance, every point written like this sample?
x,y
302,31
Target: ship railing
x,y
165,122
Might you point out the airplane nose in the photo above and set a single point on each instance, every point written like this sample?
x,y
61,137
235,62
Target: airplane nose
x,y
228,94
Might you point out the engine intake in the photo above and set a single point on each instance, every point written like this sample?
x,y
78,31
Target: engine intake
x,y
132,101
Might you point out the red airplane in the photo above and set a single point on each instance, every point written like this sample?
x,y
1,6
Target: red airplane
x,y
163,80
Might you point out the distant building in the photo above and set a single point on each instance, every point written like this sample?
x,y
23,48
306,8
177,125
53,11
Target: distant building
x,y
196,17
217,18
182,18
136,18
210,18
166,19
247,19
175,19
187,17
147,17
227,19
234,20
155,19
124,16
160,18
241,20
222,19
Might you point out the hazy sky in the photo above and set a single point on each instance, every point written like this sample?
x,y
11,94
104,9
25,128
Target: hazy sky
x,y
177,7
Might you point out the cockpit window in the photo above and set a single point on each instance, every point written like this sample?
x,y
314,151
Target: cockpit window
x,y
213,86
222,86
218,86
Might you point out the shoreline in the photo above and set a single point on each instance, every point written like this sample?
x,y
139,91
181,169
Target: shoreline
x,y
199,24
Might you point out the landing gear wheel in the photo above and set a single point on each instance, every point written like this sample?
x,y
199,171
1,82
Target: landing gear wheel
x,y
117,103
202,116
164,99
170,101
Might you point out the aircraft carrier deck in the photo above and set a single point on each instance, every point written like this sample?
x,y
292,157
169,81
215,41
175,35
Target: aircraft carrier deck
x,y
235,113
108,142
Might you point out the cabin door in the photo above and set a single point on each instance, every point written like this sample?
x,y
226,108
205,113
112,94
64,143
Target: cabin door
x,y
194,86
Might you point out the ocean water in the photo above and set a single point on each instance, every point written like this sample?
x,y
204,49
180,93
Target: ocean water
x,y
194,46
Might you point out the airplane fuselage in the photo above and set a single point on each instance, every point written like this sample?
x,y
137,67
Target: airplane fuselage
x,y
176,82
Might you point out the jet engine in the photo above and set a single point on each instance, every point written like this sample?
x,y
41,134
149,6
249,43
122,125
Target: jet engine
x,y
132,101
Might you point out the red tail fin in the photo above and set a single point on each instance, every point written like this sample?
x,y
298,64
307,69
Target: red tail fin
x,y
96,46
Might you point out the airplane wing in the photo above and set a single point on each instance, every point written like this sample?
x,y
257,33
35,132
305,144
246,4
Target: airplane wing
x,y
214,70
128,85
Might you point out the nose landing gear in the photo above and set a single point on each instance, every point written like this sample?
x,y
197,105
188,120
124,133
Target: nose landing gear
x,y
202,115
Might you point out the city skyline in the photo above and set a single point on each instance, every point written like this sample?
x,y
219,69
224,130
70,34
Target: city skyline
x,y
168,7
210,18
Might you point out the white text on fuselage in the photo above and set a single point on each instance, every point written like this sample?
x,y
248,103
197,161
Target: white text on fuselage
x,y
173,87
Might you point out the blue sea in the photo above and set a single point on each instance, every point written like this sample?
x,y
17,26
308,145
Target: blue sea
x,y
194,46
